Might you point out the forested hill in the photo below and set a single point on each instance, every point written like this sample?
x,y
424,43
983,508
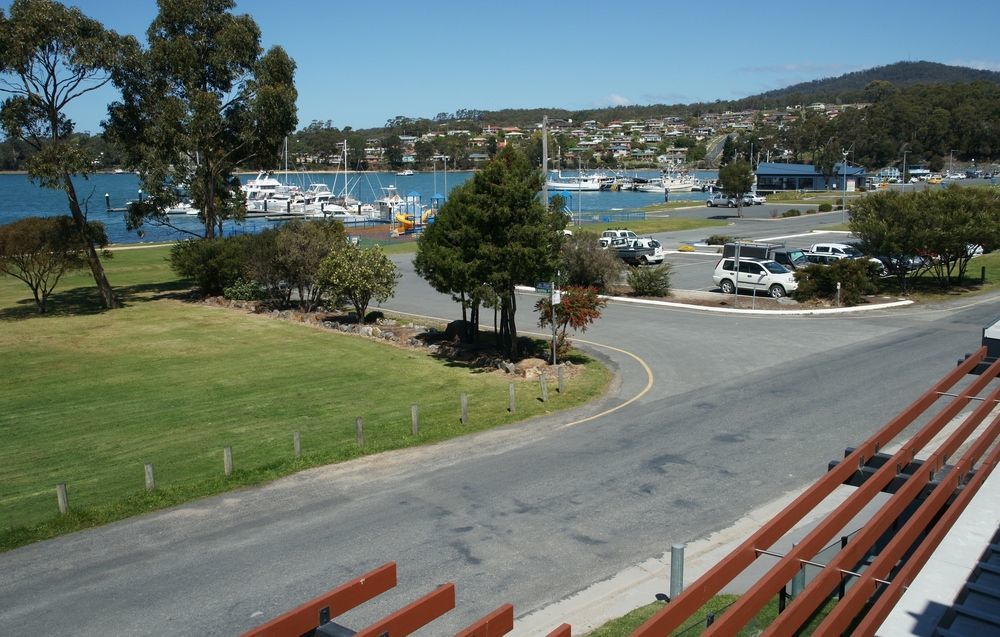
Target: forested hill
x,y
850,87
844,89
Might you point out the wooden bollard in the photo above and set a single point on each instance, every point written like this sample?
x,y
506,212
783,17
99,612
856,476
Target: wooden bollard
x,y
150,478
297,444
62,499
562,379
359,431
464,400
227,460
511,399
414,419
544,387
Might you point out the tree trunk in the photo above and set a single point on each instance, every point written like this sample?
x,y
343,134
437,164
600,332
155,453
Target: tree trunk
x,y
208,209
93,260
507,325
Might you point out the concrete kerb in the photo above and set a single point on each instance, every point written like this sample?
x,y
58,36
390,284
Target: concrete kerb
x,y
730,310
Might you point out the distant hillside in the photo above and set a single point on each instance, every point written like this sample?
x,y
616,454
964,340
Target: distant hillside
x,y
847,88
850,87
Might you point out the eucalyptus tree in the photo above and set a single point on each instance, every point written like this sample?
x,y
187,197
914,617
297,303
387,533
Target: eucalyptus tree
x,y
50,56
199,101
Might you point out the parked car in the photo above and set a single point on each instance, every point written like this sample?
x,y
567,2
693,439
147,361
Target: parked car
x,y
654,245
842,249
721,201
754,274
753,199
820,258
635,252
791,258
620,233
828,259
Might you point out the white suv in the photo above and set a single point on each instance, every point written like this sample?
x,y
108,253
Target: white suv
x,y
754,274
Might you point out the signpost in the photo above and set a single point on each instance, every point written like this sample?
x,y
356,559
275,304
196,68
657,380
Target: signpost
x,y
555,297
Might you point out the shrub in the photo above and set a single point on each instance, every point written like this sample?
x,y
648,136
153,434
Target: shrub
x,y
719,240
791,212
583,262
212,264
653,281
826,206
243,290
856,276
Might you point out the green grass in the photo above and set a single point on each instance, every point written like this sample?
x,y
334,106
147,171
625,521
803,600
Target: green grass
x,y
657,224
90,396
925,288
695,625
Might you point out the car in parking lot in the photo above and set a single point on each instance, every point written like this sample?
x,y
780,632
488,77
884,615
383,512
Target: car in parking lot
x,y
830,258
719,200
753,199
839,249
754,274
657,250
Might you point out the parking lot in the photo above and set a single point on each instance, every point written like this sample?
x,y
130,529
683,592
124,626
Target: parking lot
x,y
693,270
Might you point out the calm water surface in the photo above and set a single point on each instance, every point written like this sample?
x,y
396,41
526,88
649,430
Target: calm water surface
x,y
19,197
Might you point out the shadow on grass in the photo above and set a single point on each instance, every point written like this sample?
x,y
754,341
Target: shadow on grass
x,y
85,301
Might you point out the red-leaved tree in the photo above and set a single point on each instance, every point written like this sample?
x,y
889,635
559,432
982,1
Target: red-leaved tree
x,y
579,307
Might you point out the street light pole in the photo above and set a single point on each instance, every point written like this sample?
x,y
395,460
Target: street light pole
x,y
843,202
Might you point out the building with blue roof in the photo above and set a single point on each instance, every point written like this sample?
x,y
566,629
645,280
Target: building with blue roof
x,y
772,177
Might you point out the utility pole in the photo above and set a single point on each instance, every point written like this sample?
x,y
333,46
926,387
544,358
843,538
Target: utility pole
x,y
843,203
545,160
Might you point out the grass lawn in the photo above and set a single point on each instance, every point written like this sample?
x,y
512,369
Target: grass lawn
x,y
695,625
926,288
655,224
90,396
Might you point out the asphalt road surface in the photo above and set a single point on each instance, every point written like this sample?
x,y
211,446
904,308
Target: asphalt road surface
x,y
722,414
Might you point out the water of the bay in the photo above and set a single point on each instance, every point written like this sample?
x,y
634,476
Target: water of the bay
x,y
19,198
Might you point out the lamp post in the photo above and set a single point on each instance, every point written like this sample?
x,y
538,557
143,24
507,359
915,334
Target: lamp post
x,y
843,202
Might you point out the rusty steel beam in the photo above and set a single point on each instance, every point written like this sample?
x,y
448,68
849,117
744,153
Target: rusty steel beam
x,y
414,615
499,622
908,572
563,630
855,600
798,613
671,616
325,607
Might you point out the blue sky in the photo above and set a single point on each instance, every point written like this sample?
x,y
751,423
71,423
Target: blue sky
x,y
362,62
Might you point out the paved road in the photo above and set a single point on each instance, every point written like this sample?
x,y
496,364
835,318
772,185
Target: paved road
x,y
741,409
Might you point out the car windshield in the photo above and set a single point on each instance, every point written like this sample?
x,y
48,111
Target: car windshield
x,y
774,267
852,252
798,257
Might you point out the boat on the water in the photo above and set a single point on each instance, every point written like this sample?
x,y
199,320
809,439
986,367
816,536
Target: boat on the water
x,y
265,186
405,173
588,183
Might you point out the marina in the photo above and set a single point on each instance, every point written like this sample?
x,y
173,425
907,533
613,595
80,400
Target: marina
x,y
368,198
